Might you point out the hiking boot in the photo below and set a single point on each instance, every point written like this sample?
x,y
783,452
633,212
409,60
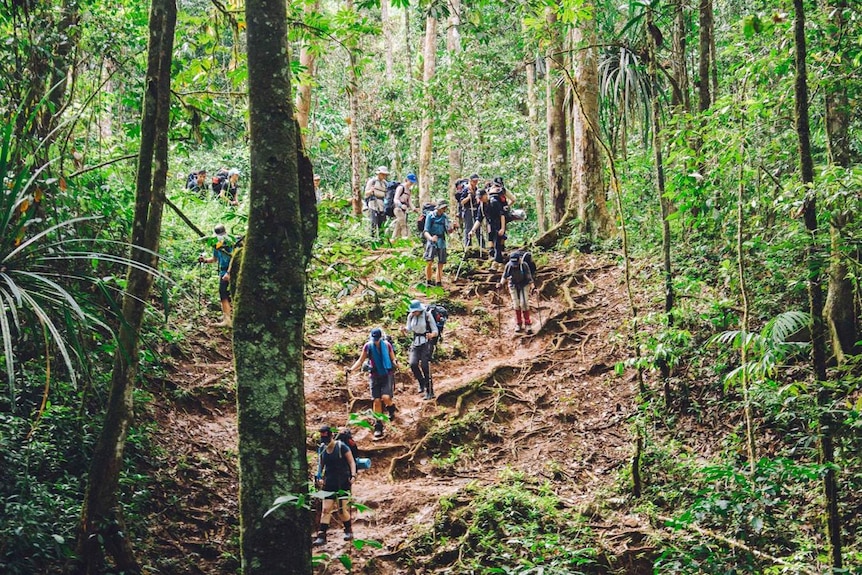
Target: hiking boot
x,y
421,388
518,328
529,330
391,410
428,395
321,539
378,433
348,535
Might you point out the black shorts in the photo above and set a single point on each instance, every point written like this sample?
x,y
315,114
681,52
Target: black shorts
x,y
223,289
335,485
382,385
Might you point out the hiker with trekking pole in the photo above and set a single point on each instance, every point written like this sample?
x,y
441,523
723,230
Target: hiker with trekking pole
x,y
222,254
519,275
422,328
381,353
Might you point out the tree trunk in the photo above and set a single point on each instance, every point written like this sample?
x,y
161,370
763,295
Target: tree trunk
x,y
453,48
386,28
270,310
840,311
537,184
356,170
303,92
426,147
102,529
705,54
815,291
680,96
556,102
588,182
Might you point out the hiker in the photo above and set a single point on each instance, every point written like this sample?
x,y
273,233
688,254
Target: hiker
x,y
437,225
336,469
222,253
375,191
229,192
423,329
403,205
317,193
496,216
520,280
382,376
199,184
468,201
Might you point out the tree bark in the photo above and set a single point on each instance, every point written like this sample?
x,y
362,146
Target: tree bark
x,y
270,310
303,92
102,529
704,55
840,309
556,112
680,96
356,184
386,28
588,183
815,290
426,148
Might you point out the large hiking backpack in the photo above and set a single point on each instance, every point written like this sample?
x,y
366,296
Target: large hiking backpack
x,y
439,314
521,262
218,181
345,436
389,199
191,180
420,223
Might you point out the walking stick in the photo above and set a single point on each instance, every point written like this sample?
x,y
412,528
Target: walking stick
x,y
499,303
200,289
463,255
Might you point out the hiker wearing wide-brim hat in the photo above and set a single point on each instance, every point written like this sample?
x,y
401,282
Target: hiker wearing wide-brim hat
x,y
437,225
402,205
381,352
423,330
375,192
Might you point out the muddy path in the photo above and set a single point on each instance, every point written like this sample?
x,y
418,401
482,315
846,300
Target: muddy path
x,y
548,404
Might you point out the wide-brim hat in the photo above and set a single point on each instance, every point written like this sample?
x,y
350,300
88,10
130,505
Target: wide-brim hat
x,y
415,305
382,170
442,205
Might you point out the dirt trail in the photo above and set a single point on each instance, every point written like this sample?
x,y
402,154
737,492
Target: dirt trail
x,y
548,404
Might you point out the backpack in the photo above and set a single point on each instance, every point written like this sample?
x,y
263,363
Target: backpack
x,y
219,179
420,223
345,436
389,199
191,180
520,263
439,314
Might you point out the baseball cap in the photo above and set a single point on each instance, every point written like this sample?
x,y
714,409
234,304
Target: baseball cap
x,y
376,333
474,176
411,177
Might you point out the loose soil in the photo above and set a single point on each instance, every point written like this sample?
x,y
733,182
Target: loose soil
x,y
551,406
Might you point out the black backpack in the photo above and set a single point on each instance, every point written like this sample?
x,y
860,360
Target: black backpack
x,y
389,199
218,181
345,436
440,314
191,180
420,223
521,262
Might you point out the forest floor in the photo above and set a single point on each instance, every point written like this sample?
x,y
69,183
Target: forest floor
x,y
551,407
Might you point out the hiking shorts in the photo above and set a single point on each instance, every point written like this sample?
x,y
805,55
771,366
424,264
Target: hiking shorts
x,y
382,384
223,289
432,252
336,484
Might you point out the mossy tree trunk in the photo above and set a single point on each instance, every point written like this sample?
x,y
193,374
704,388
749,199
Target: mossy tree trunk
x,y
426,146
102,529
556,118
815,290
270,310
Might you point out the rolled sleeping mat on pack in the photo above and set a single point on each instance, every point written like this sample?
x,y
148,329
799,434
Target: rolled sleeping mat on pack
x,y
363,463
519,215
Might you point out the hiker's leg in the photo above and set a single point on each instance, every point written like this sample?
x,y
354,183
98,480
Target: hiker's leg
x,y
413,360
468,225
224,298
426,367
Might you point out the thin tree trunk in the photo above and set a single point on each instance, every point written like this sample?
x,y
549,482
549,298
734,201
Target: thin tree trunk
x,y
270,310
588,185
840,311
102,528
680,96
386,26
353,128
556,97
303,92
537,184
815,291
705,55
426,147
453,49
660,188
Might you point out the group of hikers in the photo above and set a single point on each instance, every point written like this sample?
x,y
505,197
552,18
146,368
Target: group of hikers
x,y
224,185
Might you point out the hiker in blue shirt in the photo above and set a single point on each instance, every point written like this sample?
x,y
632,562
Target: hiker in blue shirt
x,y
222,253
382,380
437,225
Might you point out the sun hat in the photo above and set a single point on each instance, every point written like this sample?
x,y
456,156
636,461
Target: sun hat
x,y
411,177
415,305
376,333
382,170
233,172
316,176
442,205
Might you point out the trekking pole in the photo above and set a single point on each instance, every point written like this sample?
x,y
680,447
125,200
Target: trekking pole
x,y
463,256
499,312
200,288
